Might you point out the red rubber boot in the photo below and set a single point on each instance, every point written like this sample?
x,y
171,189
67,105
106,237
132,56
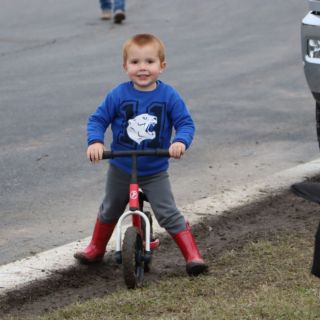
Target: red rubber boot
x,y
186,243
96,249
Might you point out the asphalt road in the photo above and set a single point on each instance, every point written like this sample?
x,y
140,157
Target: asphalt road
x,y
237,64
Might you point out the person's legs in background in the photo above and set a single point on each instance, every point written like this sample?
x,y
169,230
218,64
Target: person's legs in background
x,y
106,9
316,255
119,11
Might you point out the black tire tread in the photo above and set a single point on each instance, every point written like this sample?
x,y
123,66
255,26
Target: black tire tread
x,y
129,246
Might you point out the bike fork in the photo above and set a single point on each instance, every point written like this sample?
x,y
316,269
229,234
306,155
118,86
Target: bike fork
x,y
136,216
147,253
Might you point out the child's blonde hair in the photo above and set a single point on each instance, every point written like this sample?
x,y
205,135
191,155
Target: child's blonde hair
x,y
143,39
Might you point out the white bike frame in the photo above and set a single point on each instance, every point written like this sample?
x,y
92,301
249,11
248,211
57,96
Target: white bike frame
x,y
119,227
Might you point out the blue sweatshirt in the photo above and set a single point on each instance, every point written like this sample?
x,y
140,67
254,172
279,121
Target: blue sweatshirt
x,y
142,120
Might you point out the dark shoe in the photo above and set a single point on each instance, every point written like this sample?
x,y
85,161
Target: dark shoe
x,y
119,16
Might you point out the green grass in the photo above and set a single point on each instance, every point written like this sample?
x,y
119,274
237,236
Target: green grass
x,y
269,279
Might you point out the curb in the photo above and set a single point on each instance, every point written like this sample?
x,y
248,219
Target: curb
x,y
42,266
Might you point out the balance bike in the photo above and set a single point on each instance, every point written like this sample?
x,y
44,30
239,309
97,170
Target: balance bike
x,y
135,254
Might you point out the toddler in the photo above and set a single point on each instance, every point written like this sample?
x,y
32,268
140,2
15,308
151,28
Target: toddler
x,y
142,113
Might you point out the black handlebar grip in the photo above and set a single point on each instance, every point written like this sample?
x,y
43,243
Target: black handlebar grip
x,y
129,153
107,155
162,153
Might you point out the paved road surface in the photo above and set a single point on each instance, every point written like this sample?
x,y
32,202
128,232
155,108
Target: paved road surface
x,y
237,65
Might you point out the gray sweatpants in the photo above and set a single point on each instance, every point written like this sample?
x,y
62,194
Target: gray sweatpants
x,y
156,187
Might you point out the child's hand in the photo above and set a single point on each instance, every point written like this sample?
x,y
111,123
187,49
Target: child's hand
x,y
177,149
95,152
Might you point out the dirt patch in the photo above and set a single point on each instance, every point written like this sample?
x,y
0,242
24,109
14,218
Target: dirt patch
x,y
284,213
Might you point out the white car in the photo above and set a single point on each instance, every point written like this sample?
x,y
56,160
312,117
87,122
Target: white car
x,y
310,45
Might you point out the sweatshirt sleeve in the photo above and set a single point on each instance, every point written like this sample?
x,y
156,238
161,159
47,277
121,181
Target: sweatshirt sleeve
x,y
99,121
182,123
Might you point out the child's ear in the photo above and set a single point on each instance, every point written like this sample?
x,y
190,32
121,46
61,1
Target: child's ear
x,y
124,67
163,65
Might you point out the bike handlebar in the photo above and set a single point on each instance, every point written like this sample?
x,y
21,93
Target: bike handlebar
x,y
128,153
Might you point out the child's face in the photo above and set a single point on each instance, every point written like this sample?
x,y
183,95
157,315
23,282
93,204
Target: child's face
x,y
143,66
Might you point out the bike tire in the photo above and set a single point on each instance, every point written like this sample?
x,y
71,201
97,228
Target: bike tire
x,y
132,258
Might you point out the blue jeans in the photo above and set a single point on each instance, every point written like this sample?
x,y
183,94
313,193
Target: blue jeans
x,y
107,5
